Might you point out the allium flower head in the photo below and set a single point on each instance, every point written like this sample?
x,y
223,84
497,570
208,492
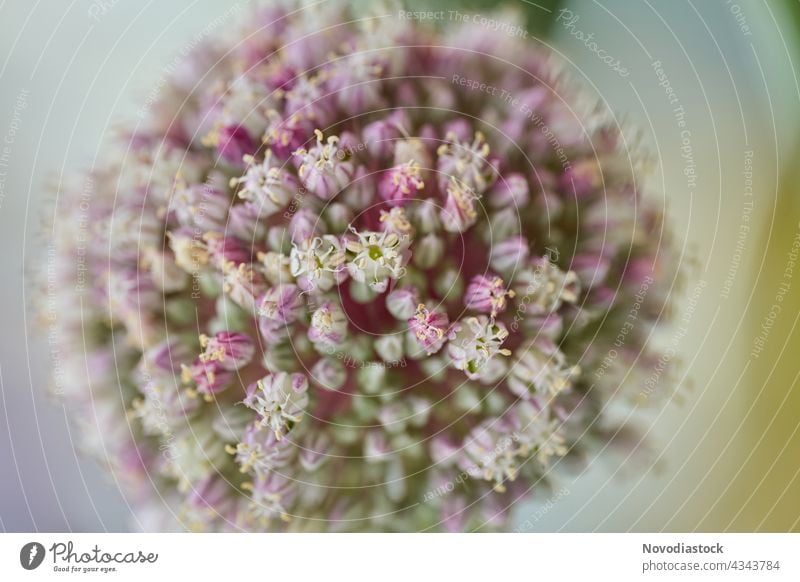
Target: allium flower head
x,y
331,278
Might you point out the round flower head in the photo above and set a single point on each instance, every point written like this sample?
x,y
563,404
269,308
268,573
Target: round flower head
x,y
331,286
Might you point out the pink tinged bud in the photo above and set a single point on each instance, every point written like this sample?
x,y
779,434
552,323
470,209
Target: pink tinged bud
x,y
244,222
548,205
201,207
548,326
393,417
407,95
267,184
376,447
465,163
349,144
211,494
312,453
503,224
131,292
329,373
360,194
459,212
309,98
401,184
591,269
511,190
509,255
305,224
273,333
328,326
476,342
223,250
487,294
354,81
402,303
233,350
380,136
444,451
324,168
281,305
243,285
280,400
390,348
234,142
431,328
209,377
166,356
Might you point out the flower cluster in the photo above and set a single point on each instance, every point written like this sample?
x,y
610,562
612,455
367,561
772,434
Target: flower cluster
x,y
329,278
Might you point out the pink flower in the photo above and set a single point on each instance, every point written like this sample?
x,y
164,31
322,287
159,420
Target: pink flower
x,y
487,294
431,328
233,350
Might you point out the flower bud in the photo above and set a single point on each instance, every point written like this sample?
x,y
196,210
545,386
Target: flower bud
x,y
305,224
338,216
371,378
402,303
233,143
390,348
329,373
510,191
449,284
425,216
393,417
428,251
509,256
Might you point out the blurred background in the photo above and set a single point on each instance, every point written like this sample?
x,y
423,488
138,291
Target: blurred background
x,y
725,449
